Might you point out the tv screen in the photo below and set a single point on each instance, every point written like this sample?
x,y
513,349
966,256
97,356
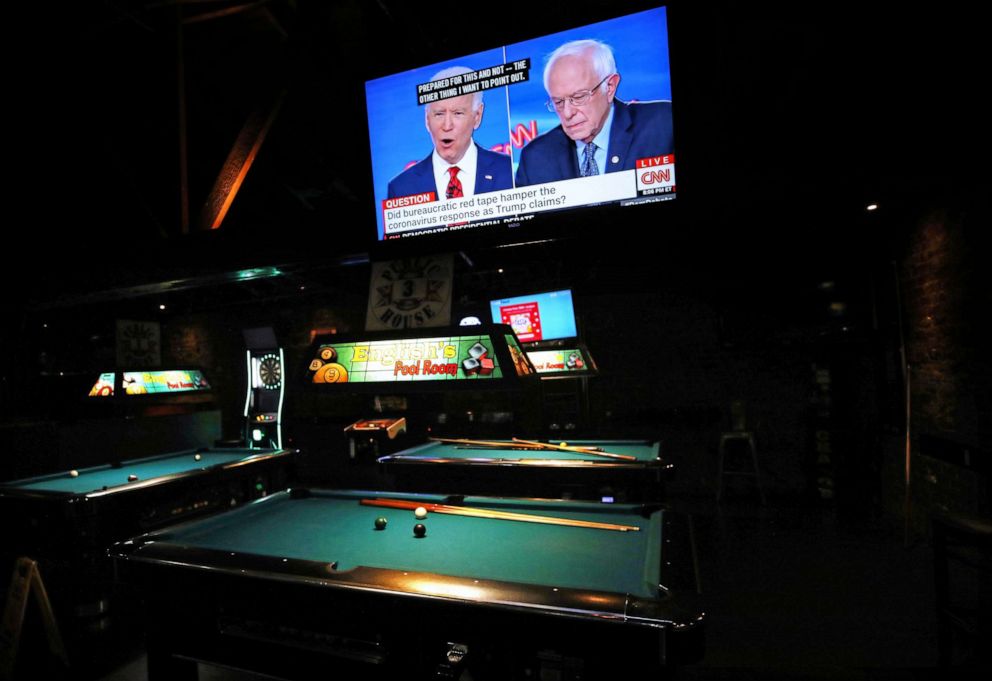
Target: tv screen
x,y
538,316
495,139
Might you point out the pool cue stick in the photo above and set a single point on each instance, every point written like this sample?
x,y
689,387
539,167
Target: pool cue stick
x,y
578,450
517,443
485,443
511,444
497,515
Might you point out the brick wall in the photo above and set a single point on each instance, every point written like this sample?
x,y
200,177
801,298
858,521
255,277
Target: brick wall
x,y
946,301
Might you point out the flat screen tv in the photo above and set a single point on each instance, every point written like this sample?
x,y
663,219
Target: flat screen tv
x,y
516,122
538,316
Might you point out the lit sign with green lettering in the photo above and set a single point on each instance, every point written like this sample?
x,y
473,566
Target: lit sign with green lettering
x,y
448,358
157,382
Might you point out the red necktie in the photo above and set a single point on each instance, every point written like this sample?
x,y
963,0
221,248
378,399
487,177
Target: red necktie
x,y
454,189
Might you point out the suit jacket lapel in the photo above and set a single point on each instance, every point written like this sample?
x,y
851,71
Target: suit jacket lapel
x,y
425,171
568,161
482,168
620,137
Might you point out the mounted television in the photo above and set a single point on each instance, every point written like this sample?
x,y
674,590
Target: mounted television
x,y
498,138
537,317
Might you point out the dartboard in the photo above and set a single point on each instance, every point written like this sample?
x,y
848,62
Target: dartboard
x,y
270,371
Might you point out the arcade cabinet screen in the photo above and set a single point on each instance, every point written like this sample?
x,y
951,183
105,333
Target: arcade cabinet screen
x,y
537,317
423,121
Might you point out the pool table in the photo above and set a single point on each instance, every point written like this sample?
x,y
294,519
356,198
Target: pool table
x,y
447,467
67,522
302,584
61,513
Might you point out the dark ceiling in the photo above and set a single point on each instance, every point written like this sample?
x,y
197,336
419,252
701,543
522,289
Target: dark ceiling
x,y
788,120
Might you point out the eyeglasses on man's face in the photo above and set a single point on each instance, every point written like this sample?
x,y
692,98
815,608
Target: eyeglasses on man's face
x,y
580,98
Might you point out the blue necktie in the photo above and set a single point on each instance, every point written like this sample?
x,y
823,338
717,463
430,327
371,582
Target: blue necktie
x,y
589,166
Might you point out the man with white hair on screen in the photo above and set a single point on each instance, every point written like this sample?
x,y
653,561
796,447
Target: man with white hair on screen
x,y
599,133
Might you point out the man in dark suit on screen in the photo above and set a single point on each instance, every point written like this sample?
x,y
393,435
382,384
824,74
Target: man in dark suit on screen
x,y
598,132
457,167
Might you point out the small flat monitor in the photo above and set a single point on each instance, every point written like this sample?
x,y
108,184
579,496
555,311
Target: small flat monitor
x,y
537,317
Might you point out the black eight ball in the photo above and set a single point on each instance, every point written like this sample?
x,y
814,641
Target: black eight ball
x,y
419,530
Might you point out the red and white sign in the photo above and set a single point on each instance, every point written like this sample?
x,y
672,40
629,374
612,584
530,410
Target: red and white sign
x,y
525,318
655,175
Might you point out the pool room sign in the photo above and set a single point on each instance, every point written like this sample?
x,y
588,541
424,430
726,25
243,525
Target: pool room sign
x,y
416,359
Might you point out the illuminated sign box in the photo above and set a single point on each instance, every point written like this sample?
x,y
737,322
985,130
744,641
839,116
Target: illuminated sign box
x,y
563,362
161,382
479,356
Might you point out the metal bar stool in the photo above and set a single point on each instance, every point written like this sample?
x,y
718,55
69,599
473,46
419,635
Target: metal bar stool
x,y
739,433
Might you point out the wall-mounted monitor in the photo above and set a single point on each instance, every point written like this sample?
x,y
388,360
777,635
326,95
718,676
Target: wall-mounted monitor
x,y
537,317
512,135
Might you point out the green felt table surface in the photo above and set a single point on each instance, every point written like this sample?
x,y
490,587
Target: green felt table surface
x,y
644,451
106,476
333,526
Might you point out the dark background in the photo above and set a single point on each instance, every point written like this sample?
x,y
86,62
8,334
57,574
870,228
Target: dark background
x,y
766,281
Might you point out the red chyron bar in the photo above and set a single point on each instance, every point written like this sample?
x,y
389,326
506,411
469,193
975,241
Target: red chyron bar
x,y
655,161
412,200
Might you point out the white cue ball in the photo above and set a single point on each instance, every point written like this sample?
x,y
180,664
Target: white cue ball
x,y
197,457
420,512
73,474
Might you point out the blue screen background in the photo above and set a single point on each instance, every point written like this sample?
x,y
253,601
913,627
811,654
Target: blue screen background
x,y
555,307
396,121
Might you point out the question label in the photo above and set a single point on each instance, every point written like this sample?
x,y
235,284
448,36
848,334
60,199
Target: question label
x,y
581,191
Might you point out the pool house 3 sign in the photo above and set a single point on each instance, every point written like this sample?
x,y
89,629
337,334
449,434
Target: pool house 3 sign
x,y
139,344
410,293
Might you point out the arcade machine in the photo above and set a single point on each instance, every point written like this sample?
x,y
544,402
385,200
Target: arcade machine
x,y
264,398
63,522
372,438
390,584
